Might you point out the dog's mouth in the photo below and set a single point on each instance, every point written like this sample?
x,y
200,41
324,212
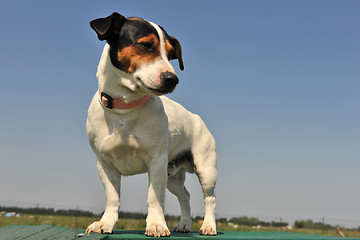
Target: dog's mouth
x,y
155,91
158,91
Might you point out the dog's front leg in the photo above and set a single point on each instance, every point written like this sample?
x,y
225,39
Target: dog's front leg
x,y
110,177
155,221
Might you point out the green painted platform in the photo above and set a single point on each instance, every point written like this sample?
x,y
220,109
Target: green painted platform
x,y
42,232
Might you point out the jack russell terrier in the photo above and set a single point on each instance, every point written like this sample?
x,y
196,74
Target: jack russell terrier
x,y
133,128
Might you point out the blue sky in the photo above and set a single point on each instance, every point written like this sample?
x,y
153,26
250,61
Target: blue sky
x,y
277,83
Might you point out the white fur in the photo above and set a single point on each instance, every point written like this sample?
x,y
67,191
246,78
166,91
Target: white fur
x,y
145,139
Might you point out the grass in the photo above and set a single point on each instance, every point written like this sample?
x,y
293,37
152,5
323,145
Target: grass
x,y
139,224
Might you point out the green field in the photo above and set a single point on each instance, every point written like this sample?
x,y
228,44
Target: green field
x,y
139,224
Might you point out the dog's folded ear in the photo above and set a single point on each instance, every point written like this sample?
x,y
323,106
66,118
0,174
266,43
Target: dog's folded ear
x,y
108,28
177,51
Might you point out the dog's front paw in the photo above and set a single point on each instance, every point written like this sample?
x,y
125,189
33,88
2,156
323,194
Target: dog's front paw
x,y
182,226
156,229
101,227
208,228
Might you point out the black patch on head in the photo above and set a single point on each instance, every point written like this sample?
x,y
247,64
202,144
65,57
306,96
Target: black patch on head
x,y
121,32
131,31
108,28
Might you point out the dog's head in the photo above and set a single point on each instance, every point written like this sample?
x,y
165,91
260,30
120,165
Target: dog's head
x,y
142,49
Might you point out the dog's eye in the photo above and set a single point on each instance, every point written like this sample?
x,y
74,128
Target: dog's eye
x,y
148,46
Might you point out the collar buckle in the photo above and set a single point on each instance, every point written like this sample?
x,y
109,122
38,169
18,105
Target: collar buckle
x,y
106,100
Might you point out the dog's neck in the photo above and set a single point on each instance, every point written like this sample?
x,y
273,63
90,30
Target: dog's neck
x,y
116,83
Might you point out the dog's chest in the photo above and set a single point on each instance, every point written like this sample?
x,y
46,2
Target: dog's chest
x,y
124,152
117,142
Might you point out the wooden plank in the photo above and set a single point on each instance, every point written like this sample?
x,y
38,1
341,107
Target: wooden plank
x,y
226,235
40,232
27,232
21,232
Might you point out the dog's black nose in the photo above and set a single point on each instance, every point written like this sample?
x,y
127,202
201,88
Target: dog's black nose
x,y
169,80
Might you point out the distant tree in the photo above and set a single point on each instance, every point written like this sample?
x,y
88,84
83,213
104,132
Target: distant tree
x,y
197,218
299,224
132,215
48,211
313,225
245,221
222,220
279,224
172,217
74,212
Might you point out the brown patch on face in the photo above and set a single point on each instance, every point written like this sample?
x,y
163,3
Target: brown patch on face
x,y
168,47
150,38
144,51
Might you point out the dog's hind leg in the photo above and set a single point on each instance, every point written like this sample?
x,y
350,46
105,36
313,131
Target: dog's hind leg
x,y
205,169
176,186
110,177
